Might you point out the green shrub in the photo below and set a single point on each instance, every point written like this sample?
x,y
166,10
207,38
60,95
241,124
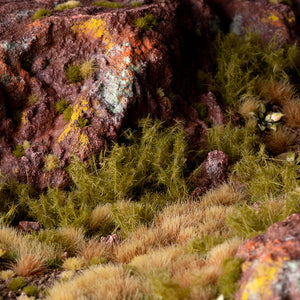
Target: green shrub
x,y
17,283
19,151
67,5
73,73
41,13
61,105
242,60
234,141
146,23
228,280
67,114
150,165
263,176
108,4
31,291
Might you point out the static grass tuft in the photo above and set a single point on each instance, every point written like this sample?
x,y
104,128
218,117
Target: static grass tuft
x,y
243,60
31,291
67,5
51,162
19,151
41,13
228,280
17,283
61,105
73,73
234,141
67,114
108,4
32,99
148,22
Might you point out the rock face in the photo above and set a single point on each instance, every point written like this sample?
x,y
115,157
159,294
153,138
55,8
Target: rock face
x,y
133,74
272,263
259,16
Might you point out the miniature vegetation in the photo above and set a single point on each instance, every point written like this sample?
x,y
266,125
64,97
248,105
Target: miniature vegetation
x,y
17,283
78,72
171,246
108,4
41,13
67,5
148,22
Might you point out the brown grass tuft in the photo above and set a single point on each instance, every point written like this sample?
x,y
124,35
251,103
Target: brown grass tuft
x,y
279,141
247,106
95,249
29,264
291,110
276,91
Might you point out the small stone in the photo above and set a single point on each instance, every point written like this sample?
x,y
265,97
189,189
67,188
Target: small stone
x,y
28,226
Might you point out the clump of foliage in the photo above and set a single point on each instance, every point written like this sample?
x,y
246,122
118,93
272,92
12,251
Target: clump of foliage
x,y
148,22
17,283
108,4
19,151
67,5
51,162
61,105
41,13
67,114
263,176
31,291
82,122
234,141
73,73
32,99
150,163
228,280
136,4
77,72
243,60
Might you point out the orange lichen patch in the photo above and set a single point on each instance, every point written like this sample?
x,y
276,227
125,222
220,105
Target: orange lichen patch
x,y
273,19
260,285
95,28
72,128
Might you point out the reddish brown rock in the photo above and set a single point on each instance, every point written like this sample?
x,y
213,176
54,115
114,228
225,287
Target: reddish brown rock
x,y
28,226
272,263
260,16
211,173
130,65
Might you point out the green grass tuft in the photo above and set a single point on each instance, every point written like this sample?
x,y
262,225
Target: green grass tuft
x,y
82,122
136,4
242,60
17,283
31,291
51,162
67,114
108,4
61,105
228,280
67,5
234,141
73,73
148,22
41,13
19,151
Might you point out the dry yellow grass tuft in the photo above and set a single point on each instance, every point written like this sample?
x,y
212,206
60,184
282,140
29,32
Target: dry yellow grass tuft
x,y
291,111
73,264
29,264
87,68
100,216
102,282
248,105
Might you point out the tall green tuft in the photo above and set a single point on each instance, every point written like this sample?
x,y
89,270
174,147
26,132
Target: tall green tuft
x,y
242,60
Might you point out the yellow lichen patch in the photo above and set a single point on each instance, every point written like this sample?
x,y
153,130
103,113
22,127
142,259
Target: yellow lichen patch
x,y
15,170
72,128
272,19
260,285
95,28
24,118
